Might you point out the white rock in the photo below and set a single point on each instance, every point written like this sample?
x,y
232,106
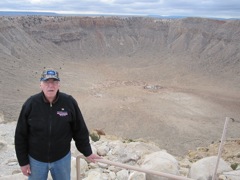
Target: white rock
x,y
112,168
93,165
102,165
12,163
112,175
204,168
160,161
93,175
184,171
103,150
130,152
233,175
104,176
137,176
122,175
116,147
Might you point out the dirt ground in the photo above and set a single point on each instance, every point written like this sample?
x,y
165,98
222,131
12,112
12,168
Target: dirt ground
x,y
230,152
170,88
179,116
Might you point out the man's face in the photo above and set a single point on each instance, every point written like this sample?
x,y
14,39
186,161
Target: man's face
x,y
49,88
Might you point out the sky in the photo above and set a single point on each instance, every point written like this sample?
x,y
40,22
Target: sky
x,y
189,8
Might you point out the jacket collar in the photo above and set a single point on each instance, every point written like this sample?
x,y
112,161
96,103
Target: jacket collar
x,y
54,101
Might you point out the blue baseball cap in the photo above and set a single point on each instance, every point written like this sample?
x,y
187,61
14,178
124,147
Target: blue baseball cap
x,y
49,74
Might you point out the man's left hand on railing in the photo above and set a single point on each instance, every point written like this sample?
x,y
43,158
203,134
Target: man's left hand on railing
x,y
93,157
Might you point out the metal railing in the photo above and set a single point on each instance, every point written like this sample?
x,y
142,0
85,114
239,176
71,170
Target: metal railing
x,y
156,172
130,168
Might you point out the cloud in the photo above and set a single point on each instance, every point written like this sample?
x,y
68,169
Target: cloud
x,y
202,8
35,1
107,1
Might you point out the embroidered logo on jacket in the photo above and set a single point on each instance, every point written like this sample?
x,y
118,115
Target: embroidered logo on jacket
x,y
62,113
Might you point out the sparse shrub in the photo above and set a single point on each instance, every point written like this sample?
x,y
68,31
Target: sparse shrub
x,y
95,137
128,141
234,166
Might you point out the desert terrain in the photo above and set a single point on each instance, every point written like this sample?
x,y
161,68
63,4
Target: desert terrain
x,y
172,82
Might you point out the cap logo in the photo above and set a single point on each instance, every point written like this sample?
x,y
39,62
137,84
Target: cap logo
x,y
51,72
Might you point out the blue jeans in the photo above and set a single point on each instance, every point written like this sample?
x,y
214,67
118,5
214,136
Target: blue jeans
x,y
60,170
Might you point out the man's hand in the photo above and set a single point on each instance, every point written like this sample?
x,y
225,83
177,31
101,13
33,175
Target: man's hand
x,y
92,158
26,170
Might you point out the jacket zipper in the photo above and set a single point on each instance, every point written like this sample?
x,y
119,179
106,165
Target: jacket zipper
x,y
50,131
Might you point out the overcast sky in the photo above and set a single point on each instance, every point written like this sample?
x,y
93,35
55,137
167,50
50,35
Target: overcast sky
x,y
199,8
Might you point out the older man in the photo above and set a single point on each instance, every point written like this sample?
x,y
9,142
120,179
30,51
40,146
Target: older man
x,y
46,125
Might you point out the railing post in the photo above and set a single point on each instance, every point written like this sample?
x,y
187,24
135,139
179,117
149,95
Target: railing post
x,y
78,167
220,147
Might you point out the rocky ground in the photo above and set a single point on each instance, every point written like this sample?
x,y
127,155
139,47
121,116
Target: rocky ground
x,y
230,153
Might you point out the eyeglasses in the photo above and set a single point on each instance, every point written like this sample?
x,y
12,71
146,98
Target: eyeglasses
x,y
54,82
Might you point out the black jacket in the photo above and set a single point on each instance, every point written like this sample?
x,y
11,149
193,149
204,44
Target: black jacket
x,y
44,131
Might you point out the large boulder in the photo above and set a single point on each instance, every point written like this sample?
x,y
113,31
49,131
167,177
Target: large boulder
x,y
233,175
204,168
160,161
